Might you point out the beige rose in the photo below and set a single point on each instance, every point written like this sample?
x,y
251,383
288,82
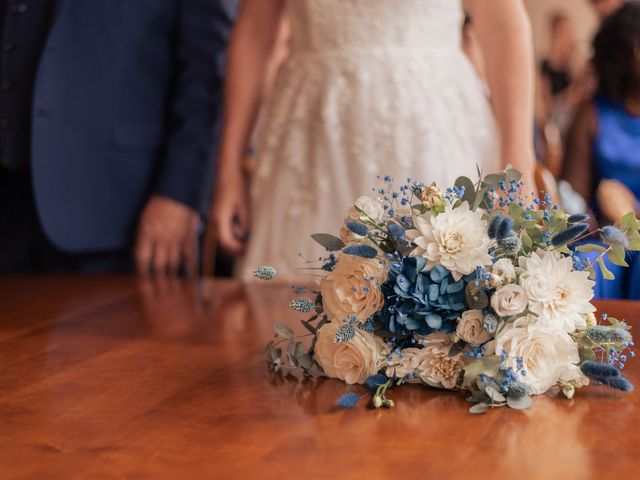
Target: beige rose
x,y
509,300
470,328
436,366
502,272
352,361
431,196
370,209
404,364
352,289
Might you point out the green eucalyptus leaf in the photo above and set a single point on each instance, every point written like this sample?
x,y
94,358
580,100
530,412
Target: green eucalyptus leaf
x,y
479,408
616,255
495,395
520,403
487,365
305,361
494,179
330,242
586,354
606,273
283,330
275,354
469,189
591,247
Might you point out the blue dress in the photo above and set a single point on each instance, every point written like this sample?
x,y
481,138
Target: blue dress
x,y
616,155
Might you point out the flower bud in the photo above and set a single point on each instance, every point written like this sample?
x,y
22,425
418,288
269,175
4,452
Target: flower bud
x,y
377,401
431,196
388,403
569,390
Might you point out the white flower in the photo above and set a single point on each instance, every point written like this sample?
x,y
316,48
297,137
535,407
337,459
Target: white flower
x,y
546,352
502,272
457,239
509,300
370,209
470,328
559,294
352,361
352,289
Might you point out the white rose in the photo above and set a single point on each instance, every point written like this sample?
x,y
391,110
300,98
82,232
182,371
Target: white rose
x,y
352,361
502,272
352,289
509,300
371,209
470,328
546,352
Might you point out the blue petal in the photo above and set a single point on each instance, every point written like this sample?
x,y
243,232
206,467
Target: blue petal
x,y
434,321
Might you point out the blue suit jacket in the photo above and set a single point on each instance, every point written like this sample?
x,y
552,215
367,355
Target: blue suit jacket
x,y
126,104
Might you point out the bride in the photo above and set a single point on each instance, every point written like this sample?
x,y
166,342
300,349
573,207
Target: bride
x,y
370,88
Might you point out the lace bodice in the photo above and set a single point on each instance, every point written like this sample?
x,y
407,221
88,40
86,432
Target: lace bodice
x,y
323,26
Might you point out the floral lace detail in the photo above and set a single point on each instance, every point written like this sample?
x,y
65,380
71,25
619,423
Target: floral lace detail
x,y
372,87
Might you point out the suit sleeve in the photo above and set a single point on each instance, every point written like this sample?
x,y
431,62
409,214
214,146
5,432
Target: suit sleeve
x,y
196,107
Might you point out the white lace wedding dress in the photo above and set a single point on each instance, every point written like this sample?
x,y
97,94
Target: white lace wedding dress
x,y
372,87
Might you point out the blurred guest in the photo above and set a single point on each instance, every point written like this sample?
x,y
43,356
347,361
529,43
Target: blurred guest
x,y
107,113
604,140
604,8
556,67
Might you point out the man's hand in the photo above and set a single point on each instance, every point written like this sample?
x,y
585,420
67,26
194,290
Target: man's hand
x,y
166,236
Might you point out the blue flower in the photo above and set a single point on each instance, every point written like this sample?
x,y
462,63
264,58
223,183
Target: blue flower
x,y
348,400
364,251
374,381
357,228
421,301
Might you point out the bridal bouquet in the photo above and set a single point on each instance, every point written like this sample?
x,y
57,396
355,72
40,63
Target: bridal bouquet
x,y
477,287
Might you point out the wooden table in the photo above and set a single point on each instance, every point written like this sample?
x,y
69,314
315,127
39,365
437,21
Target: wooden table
x,y
124,378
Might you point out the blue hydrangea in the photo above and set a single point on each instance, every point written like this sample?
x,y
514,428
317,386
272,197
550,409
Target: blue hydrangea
x,y
420,301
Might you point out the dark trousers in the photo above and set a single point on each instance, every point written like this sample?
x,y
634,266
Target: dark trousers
x,y
25,247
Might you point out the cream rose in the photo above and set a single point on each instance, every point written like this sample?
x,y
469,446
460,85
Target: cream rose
x,y
352,289
546,352
470,328
436,367
370,209
502,272
352,361
509,300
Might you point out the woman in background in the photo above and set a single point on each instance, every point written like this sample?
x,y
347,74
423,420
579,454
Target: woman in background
x,y
371,87
604,140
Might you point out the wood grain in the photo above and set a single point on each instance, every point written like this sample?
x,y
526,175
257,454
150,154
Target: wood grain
x,y
128,378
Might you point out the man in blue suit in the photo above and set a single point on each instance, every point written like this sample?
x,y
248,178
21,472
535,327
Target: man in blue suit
x,y
108,114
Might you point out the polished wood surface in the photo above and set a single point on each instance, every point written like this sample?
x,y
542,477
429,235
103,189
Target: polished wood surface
x,y
125,378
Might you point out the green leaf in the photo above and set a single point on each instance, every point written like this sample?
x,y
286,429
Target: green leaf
x,y
520,403
511,172
629,222
616,255
527,243
586,354
494,179
591,247
469,189
487,365
634,240
283,330
606,273
299,349
479,408
275,354
330,242
305,361
495,395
